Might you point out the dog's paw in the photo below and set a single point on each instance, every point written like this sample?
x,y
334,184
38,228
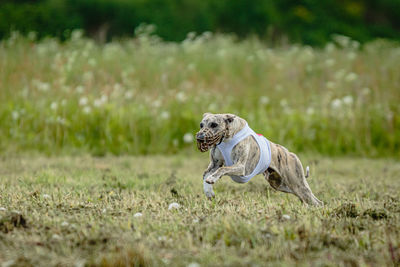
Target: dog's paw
x,y
208,190
210,195
211,179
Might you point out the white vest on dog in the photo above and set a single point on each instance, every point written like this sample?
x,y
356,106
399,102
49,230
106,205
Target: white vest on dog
x,y
265,152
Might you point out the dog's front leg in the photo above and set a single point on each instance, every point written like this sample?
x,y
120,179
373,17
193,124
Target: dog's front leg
x,y
215,163
236,169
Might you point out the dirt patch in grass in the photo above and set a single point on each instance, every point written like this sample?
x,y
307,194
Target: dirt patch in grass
x,y
12,220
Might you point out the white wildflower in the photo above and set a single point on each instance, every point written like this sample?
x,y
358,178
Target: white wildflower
x,y
8,263
83,101
355,44
193,264
310,111
15,115
118,87
212,106
164,78
46,196
284,103
196,220
104,211
330,84
97,103
162,238
100,101
87,110
129,94
137,215
285,217
44,87
157,103
88,76
191,67
188,138
348,100
79,89
221,52
61,120
174,205
181,96
54,105
351,55
104,98
339,74
2,209
170,60
250,58
329,62
92,62
351,77
342,40
64,224
164,115
56,237
330,47
336,103
264,100
366,91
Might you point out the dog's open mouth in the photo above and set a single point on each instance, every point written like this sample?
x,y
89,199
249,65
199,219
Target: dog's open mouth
x,y
204,144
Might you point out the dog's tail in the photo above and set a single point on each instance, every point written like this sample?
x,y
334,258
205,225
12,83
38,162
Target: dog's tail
x,y
307,172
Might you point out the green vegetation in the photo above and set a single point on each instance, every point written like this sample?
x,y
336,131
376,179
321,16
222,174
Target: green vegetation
x,y
145,96
81,210
309,21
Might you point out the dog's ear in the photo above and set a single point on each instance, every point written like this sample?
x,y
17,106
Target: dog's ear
x,y
205,114
229,118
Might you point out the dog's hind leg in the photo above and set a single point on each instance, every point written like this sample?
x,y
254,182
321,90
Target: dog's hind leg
x,y
275,180
297,182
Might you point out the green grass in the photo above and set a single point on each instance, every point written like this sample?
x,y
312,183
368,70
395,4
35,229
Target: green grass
x,y
80,210
141,95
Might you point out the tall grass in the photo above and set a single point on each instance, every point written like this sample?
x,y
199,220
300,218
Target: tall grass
x,y
143,95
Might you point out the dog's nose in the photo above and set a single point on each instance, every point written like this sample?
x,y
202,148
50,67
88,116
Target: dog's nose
x,y
200,136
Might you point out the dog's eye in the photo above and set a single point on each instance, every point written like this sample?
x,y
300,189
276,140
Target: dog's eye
x,y
213,125
201,125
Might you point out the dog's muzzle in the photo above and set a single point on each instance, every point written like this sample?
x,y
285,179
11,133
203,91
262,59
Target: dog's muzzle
x,y
207,139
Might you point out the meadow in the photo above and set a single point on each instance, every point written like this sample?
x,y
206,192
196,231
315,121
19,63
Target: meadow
x,y
98,165
145,96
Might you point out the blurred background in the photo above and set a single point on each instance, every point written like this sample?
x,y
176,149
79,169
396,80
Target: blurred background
x,y
134,77
309,22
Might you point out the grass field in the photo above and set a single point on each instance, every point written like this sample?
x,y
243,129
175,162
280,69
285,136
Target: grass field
x,y
80,211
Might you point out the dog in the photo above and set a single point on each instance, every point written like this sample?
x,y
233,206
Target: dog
x,y
237,151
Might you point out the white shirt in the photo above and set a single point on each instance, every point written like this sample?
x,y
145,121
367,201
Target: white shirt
x,y
265,153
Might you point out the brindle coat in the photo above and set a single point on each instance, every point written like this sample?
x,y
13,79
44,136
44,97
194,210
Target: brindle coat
x,y
285,172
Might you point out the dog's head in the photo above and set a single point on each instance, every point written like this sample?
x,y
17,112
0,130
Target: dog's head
x,y
214,128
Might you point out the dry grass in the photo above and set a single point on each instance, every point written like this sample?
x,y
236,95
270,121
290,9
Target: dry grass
x,y
80,210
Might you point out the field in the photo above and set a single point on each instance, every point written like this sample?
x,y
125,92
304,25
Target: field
x,y
96,142
81,211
